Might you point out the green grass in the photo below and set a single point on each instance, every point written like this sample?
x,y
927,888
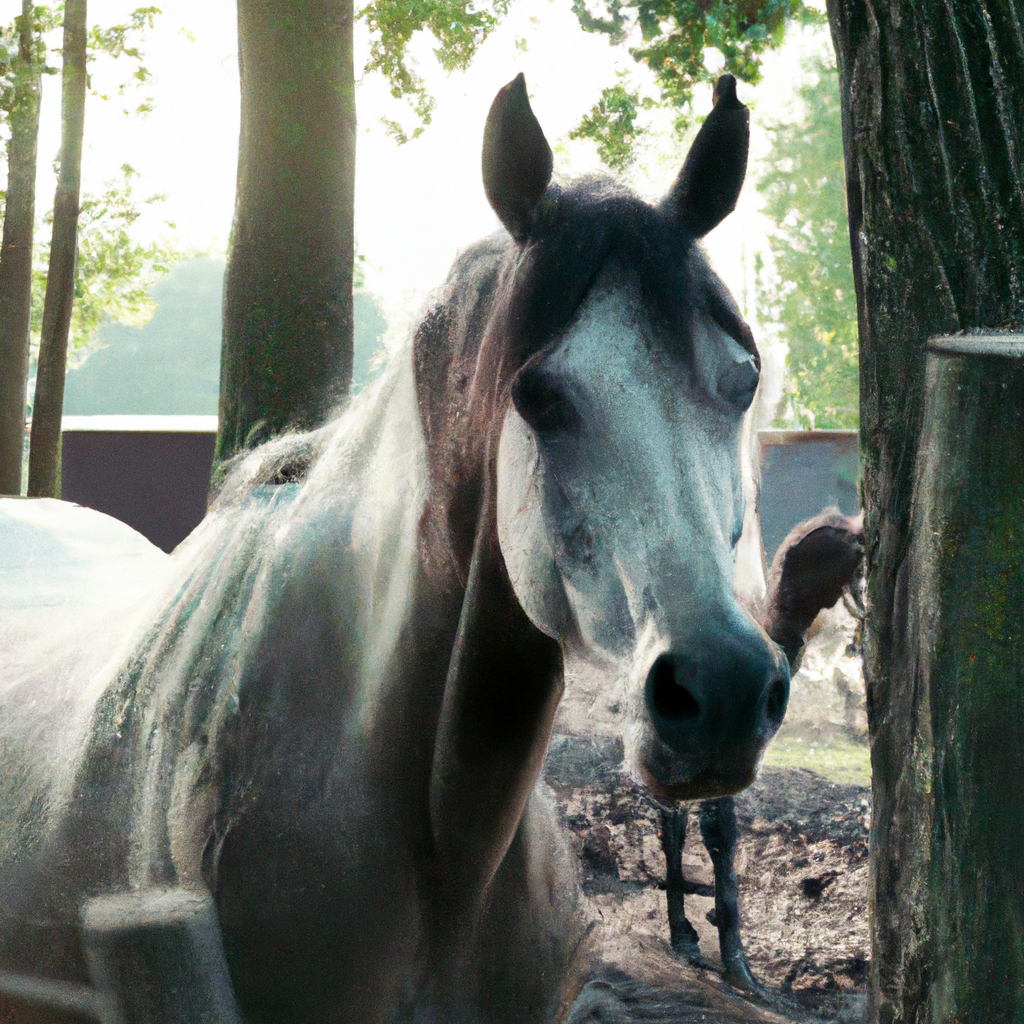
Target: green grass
x,y
836,757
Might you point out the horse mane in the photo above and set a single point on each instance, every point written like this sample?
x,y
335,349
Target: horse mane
x,y
286,459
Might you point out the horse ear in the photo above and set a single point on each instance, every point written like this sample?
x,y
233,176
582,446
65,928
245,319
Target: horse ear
x,y
709,184
516,158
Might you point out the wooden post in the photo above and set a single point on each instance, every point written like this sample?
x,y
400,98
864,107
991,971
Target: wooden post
x,y
156,957
958,789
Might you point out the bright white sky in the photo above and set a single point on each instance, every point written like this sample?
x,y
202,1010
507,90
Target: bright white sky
x,y
416,205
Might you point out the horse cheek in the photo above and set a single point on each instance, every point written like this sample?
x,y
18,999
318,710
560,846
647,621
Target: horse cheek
x,y
522,532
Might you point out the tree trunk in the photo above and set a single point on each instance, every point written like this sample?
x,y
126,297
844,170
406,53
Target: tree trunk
x,y
933,109
48,406
966,592
287,354
16,256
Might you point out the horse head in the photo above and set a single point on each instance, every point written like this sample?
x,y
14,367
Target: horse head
x,y
620,384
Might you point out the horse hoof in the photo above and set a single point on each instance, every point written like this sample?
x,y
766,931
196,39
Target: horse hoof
x,y
689,952
738,974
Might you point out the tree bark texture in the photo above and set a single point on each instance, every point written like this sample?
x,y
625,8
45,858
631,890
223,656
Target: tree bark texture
x,y
287,352
933,125
966,648
16,256
48,406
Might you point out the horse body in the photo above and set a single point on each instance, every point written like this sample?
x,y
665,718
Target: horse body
x,y
337,723
269,739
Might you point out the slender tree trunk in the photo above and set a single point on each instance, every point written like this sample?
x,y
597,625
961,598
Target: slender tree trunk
x,y
933,126
16,256
48,406
287,353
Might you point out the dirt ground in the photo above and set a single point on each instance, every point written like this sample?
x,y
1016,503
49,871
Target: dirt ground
x,y
802,863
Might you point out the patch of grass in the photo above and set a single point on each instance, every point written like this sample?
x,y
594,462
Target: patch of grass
x,y
836,757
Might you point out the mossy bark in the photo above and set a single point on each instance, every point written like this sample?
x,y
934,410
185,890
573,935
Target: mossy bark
x,y
287,353
966,592
933,126
16,255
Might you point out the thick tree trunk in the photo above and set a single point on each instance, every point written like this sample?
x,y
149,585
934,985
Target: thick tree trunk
x,y
16,256
933,124
287,354
48,406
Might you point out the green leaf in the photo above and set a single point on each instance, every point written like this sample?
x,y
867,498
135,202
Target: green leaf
x,y
612,124
812,300
458,27
114,271
673,36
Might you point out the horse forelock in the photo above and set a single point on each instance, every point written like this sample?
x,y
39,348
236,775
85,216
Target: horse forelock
x,y
506,302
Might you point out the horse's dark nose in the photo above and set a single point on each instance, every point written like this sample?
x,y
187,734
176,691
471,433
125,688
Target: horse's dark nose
x,y
724,692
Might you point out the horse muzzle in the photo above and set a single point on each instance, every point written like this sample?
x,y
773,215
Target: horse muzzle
x,y
712,706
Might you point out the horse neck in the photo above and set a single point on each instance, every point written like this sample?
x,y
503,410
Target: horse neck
x,y
502,688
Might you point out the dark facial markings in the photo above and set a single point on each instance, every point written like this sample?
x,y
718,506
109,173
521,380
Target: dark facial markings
x,y
579,544
737,529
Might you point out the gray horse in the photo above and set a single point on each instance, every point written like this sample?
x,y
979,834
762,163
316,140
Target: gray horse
x,y
331,722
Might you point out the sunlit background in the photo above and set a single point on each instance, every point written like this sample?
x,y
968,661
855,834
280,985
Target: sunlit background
x,y
416,204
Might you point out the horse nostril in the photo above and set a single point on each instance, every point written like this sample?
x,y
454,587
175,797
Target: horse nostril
x,y
670,699
778,697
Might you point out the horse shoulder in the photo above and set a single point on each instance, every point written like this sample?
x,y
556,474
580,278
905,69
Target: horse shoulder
x,y
325,619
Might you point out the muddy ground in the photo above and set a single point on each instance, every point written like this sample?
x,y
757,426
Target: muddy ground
x,y
802,864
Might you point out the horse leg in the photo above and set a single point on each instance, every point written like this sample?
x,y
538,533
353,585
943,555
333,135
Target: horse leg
x,y
718,829
682,934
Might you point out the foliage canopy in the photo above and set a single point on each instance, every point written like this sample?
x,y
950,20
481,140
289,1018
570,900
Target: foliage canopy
x,y
114,270
667,36
813,298
670,37
458,28
123,40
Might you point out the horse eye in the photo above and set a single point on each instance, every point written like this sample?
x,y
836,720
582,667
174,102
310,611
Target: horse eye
x,y
739,384
543,404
